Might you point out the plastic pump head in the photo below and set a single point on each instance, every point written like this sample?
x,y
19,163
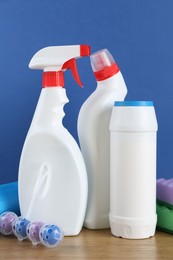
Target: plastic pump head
x,y
103,65
54,60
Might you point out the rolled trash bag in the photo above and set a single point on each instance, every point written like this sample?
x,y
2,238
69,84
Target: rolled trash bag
x,y
9,198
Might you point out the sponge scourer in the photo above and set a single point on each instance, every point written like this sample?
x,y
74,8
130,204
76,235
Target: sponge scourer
x,y
165,205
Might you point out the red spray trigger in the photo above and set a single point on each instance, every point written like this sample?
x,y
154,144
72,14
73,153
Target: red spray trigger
x,y
71,64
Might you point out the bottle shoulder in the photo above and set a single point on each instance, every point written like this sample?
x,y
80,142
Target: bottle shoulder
x,y
97,104
60,135
104,95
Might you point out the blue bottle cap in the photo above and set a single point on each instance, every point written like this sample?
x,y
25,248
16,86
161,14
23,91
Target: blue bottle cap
x,y
133,103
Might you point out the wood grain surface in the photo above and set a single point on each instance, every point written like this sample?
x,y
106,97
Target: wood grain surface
x,y
91,245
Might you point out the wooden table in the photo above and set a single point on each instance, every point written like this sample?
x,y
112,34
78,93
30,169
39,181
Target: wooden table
x,y
91,245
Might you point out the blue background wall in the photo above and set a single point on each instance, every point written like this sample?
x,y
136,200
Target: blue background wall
x,y
139,34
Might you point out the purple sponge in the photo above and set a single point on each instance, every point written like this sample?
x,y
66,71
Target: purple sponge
x,y
165,190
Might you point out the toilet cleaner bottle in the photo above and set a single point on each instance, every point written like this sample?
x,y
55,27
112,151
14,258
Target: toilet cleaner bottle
x,y
93,132
52,174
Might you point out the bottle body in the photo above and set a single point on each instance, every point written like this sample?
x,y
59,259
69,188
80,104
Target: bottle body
x,y
133,171
93,132
52,173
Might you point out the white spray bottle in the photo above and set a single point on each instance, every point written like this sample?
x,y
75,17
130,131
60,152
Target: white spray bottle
x,y
52,175
93,131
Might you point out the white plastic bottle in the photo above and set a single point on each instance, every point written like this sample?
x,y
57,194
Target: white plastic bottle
x,y
52,175
133,127
93,132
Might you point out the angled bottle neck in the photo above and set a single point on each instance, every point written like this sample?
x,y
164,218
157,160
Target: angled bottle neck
x,y
114,86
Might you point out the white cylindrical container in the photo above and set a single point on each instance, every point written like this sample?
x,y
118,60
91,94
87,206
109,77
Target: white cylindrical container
x,y
133,128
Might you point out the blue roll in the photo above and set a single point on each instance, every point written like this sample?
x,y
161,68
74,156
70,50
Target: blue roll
x,y
9,198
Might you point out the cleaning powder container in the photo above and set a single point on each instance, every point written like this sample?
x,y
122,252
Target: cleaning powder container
x,y
133,128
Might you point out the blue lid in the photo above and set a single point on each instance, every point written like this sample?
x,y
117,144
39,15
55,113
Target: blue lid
x,y
133,103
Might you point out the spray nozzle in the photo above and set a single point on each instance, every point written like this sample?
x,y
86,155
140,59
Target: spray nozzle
x,y
55,59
